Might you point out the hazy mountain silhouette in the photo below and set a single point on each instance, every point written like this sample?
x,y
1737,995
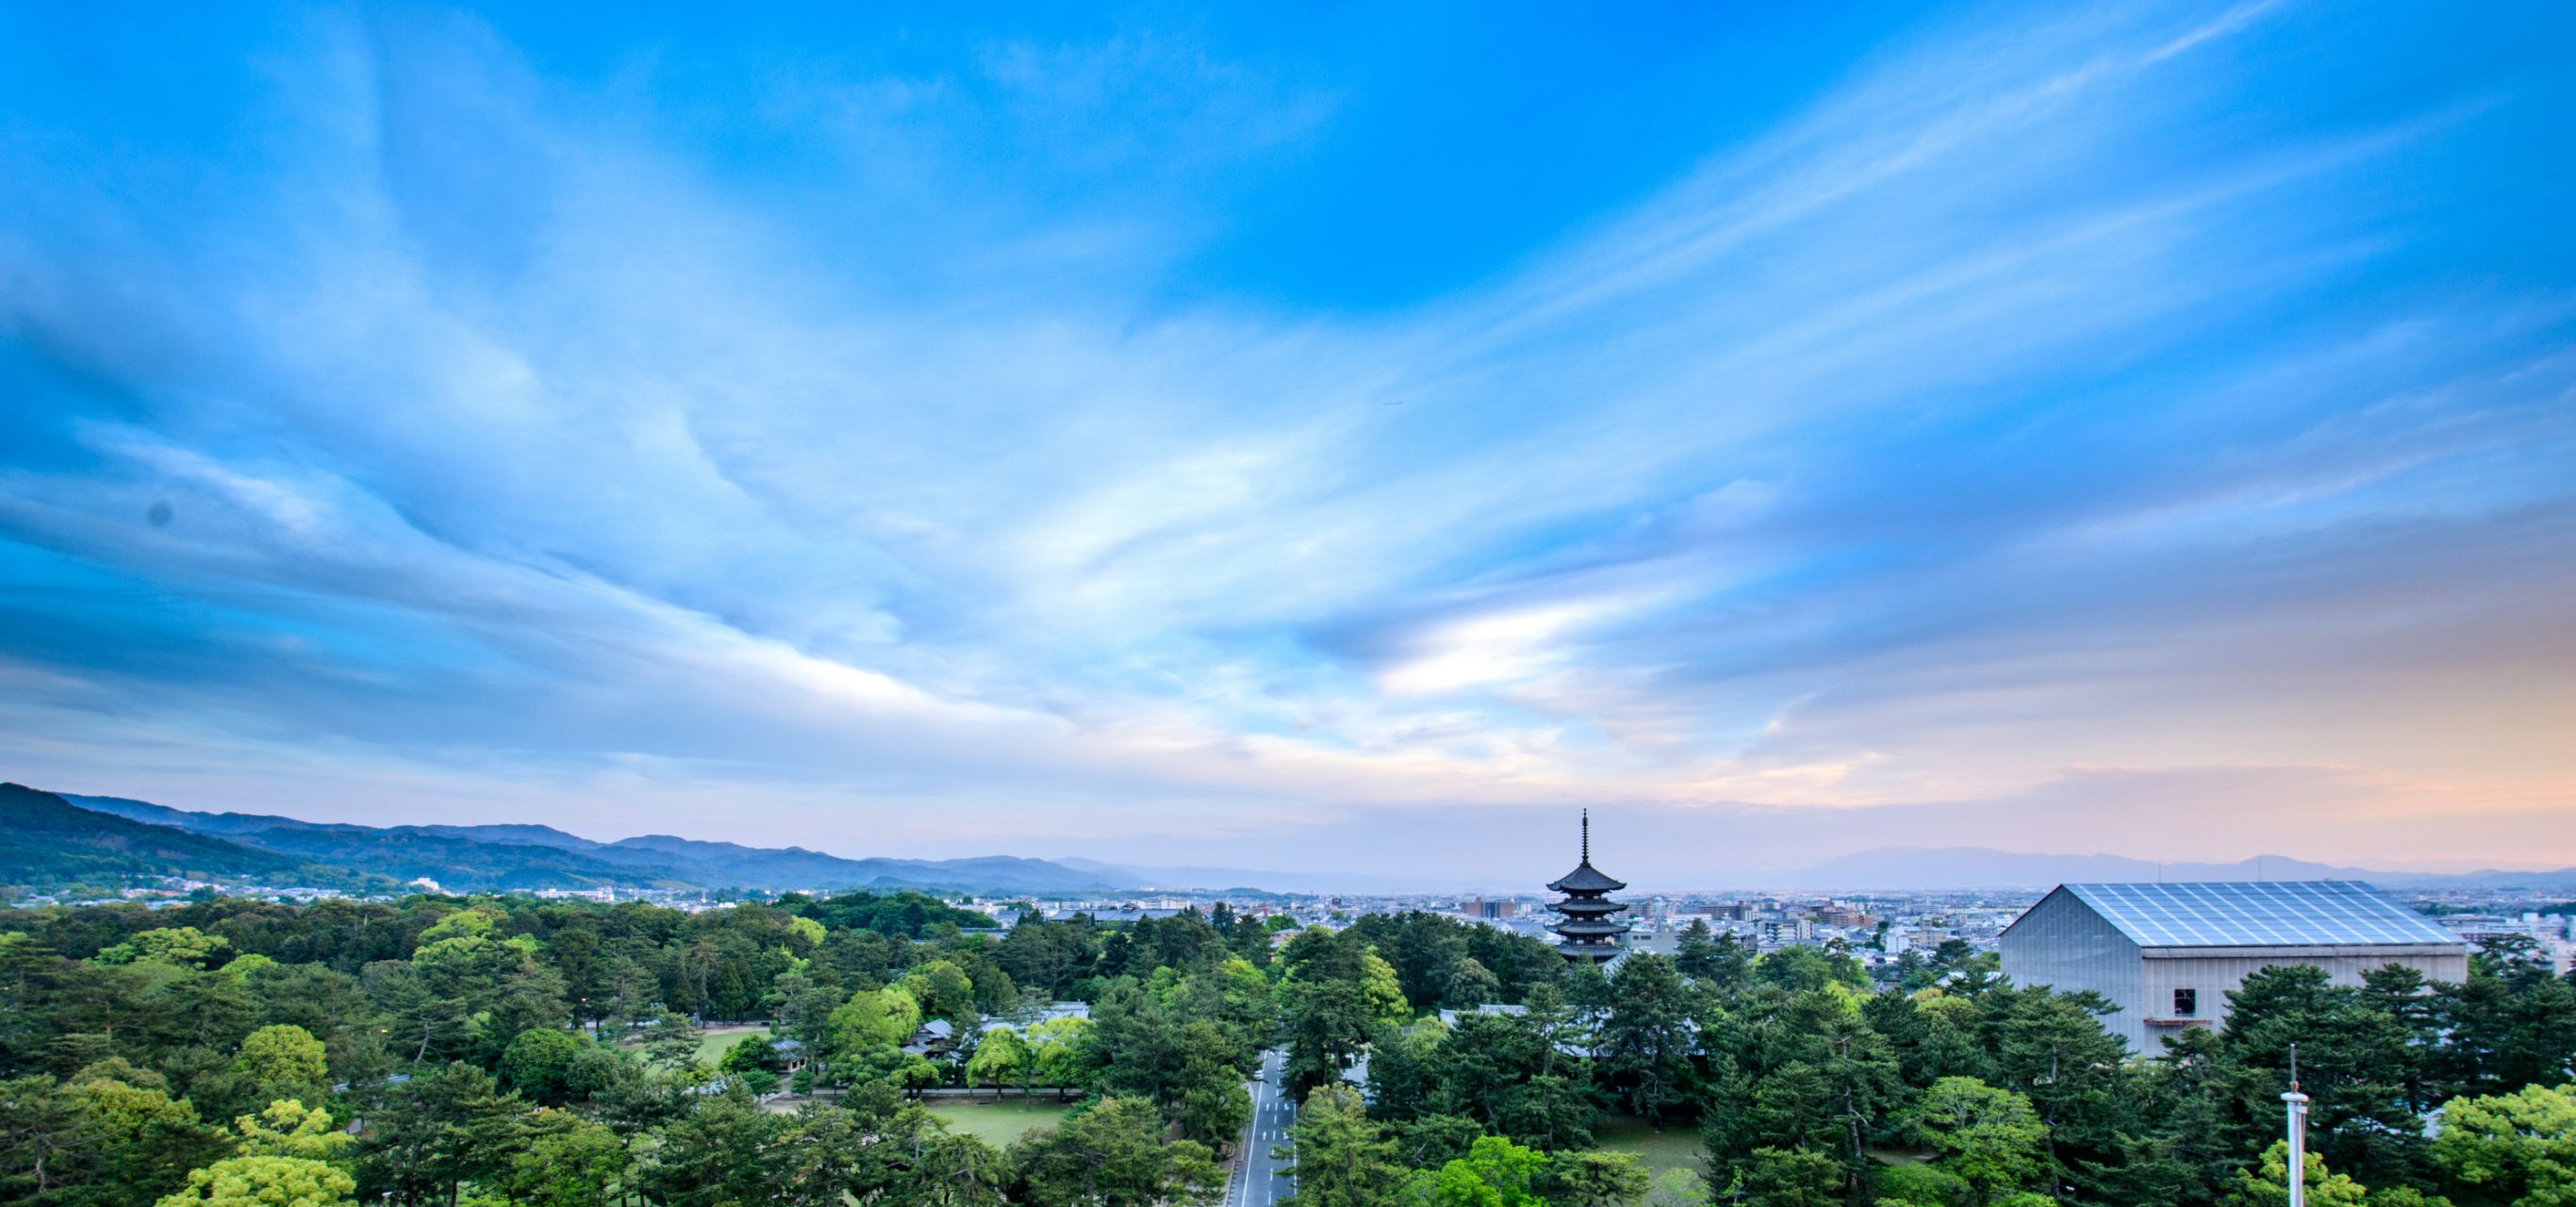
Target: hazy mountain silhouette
x,y
498,857
1985,867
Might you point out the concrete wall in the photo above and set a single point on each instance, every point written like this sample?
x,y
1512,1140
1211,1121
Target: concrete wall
x,y
2217,972
2062,943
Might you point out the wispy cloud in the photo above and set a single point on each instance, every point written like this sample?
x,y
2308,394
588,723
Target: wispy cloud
x,y
453,427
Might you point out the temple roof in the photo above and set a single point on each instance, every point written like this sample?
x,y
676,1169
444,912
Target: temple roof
x,y
1586,878
1589,927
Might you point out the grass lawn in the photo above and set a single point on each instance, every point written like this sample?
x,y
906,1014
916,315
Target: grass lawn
x,y
999,1123
1675,1147
713,1042
716,1041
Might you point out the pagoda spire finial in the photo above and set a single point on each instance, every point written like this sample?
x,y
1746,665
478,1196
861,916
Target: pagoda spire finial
x,y
1587,836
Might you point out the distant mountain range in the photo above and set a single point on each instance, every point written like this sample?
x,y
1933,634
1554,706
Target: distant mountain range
x,y
43,839
1984,867
51,838
47,838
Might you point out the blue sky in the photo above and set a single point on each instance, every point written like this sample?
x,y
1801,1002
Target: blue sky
x,y
1147,433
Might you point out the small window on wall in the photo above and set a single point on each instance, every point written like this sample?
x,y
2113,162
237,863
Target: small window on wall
x,y
2186,1003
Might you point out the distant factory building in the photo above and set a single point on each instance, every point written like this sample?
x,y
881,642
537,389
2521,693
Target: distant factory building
x,y
2168,954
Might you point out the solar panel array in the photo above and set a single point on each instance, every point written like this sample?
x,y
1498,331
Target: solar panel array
x,y
2301,913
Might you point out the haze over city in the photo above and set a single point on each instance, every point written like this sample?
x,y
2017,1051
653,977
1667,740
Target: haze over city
x,y
1133,434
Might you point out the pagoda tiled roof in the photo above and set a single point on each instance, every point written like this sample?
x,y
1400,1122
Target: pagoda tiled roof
x,y
1589,927
1586,878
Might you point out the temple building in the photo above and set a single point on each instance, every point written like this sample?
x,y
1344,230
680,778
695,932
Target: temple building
x,y
1586,931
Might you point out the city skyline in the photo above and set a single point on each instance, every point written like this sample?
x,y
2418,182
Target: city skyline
x,y
1150,437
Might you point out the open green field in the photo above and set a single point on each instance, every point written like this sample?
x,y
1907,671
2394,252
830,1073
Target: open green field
x,y
718,1040
713,1042
999,1122
1676,1147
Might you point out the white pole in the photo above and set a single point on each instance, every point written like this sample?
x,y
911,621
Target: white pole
x,y
2298,1147
2296,1106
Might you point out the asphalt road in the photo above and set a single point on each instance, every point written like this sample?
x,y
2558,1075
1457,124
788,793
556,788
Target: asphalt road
x,y
1257,1180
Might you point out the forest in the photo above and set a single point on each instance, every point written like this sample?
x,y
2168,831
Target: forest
x,y
442,1051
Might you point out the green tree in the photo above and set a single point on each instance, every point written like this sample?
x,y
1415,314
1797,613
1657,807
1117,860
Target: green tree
x,y
1645,1043
421,1021
1340,1159
1136,1037
942,990
1494,1173
1471,984
1328,1027
1554,1110
1859,1079
539,1063
892,1067
958,1171
1920,1186
283,1062
874,1018
2353,1063
1790,1109
111,1137
1400,1070
173,946
1112,1155
1431,1141
1593,1179
1720,961
2501,1033
2052,1049
1060,1053
721,1154
1788,1177
1001,1058
36,1140
290,1129
1334,995
266,1182
569,1162
2519,1147
1990,1138
671,1041
285,1156
1676,1188
2513,957
1211,1103
447,1127
1936,1035
1799,969
2269,1185
1509,1074
860,1152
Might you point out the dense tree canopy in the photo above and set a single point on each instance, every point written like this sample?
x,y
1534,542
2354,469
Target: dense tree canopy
x,y
509,1051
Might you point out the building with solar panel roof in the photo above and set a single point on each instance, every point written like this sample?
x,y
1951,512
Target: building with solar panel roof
x,y
2169,954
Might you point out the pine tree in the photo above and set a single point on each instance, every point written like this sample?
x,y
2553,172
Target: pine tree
x,y
1340,1159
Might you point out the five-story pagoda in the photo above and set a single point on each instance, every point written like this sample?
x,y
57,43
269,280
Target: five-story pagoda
x,y
1586,931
